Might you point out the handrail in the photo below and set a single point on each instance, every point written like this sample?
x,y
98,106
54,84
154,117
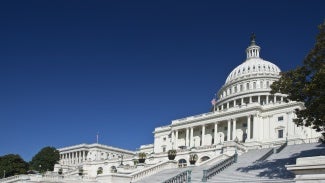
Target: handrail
x,y
281,147
219,167
183,177
266,155
151,170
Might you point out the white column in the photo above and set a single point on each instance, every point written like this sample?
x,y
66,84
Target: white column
x,y
228,131
250,100
248,128
267,99
203,135
242,101
227,105
281,99
215,132
83,156
173,139
259,99
235,103
234,135
255,127
176,139
187,138
191,138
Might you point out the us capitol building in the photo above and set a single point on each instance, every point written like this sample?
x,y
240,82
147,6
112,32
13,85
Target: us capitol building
x,y
244,117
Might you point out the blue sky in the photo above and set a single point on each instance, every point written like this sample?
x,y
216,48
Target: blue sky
x,y
70,69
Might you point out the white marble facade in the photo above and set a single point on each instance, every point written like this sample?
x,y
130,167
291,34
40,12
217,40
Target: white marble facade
x,y
78,154
245,111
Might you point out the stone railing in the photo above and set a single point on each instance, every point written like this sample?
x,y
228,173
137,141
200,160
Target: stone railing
x,y
216,158
281,147
152,170
238,146
183,177
266,155
51,178
15,178
206,147
218,167
71,172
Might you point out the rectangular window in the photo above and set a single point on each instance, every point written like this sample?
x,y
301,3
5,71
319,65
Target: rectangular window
x,y
244,124
280,118
164,138
280,134
164,149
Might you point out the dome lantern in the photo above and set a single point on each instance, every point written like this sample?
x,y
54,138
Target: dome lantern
x,y
253,51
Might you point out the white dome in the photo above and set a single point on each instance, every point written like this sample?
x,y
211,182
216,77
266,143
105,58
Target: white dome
x,y
253,66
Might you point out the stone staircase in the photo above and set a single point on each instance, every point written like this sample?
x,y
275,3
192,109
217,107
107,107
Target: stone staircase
x,y
247,169
162,176
270,170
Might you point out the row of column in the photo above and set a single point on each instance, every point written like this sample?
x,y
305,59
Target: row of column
x,y
73,157
231,133
267,101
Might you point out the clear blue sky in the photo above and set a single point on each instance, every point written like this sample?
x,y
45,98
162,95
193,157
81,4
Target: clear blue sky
x,y
70,69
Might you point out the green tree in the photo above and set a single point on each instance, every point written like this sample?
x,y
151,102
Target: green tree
x,y
306,84
45,159
12,164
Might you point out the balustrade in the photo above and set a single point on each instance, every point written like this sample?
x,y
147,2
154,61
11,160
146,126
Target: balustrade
x,y
152,170
219,167
183,177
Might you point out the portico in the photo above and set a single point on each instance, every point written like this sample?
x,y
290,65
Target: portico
x,y
213,133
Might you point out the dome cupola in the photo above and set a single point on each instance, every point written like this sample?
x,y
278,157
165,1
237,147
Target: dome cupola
x,y
253,64
253,51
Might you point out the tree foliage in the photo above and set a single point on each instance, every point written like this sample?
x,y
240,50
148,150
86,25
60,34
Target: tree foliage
x,y
45,159
306,84
12,164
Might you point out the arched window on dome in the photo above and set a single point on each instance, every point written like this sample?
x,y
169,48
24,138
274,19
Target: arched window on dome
x,y
247,86
241,87
267,84
235,89
244,70
259,68
261,84
230,90
254,85
254,68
